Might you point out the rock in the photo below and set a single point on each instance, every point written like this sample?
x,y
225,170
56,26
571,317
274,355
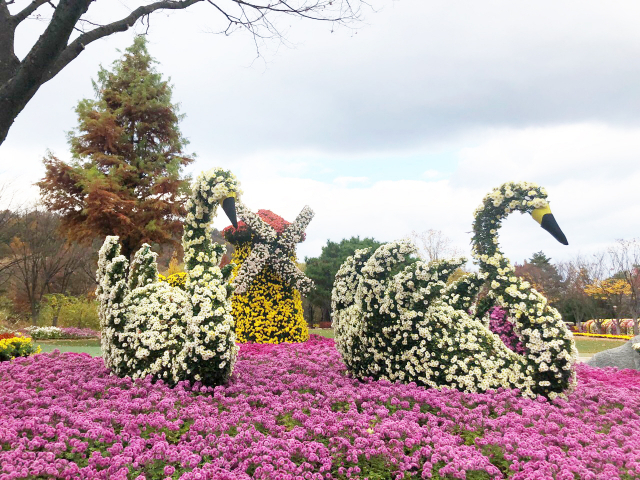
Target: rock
x,y
622,357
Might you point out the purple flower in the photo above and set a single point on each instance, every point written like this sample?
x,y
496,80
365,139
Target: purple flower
x,y
291,411
500,325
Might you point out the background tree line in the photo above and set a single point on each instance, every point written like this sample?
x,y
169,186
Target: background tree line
x,y
605,285
125,178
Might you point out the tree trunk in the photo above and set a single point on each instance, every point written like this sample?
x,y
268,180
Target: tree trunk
x,y
635,325
616,325
310,314
54,321
35,313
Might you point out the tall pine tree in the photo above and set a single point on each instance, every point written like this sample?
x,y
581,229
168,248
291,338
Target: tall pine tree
x,y
125,177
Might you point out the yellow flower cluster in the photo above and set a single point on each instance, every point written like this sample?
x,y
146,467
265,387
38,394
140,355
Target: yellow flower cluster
x,y
270,311
17,346
176,280
603,335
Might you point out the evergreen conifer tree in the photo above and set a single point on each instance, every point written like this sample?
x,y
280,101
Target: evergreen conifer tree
x,y
125,177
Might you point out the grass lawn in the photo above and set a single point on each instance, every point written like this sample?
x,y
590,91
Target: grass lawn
x,y
324,332
589,346
90,346
586,346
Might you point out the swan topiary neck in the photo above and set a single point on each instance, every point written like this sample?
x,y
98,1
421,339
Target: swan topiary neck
x,y
551,352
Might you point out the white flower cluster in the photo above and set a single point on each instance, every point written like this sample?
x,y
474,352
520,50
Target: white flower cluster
x,y
400,327
152,328
44,332
274,250
401,321
551,352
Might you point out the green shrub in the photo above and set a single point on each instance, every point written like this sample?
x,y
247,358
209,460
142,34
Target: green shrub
x,y
78,312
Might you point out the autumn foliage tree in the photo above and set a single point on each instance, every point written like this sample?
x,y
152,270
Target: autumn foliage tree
x,y
613,292
125,175
575,305
42,261
625,256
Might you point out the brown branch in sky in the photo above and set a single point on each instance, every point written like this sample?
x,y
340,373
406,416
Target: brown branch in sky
x,y
53,51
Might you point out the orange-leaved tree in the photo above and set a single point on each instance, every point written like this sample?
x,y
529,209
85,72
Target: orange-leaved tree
x,y
125,177
612,291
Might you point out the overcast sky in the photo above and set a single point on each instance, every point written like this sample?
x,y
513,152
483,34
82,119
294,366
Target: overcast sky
x,y
403,124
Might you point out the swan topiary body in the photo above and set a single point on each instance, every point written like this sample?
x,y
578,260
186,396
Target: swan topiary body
x,y
153,328
402,321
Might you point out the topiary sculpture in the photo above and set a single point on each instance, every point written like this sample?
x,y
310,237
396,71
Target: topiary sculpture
x,y
152,328
267,306
404,322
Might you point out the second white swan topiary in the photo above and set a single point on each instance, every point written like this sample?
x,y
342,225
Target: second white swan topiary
x,y
152,328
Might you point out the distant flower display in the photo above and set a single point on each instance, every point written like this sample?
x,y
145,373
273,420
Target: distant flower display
x,y
602,335
607,326
61,332
292,412
14,345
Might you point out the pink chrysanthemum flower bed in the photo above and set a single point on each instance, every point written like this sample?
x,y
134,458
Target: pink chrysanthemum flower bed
x,y
291,412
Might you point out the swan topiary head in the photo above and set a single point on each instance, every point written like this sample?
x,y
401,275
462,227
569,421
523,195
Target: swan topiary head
x,y
523,197
216,187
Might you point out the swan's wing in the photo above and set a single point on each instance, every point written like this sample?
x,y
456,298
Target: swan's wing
x,y
143,269
462,293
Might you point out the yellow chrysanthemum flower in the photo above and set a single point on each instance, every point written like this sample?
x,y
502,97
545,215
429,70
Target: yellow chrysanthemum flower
x,y
269,311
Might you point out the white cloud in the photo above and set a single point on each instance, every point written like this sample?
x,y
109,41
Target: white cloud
x,y
592,209
346,181
430,174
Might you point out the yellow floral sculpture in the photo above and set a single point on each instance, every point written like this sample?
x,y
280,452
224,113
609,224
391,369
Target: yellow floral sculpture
x,y
267,305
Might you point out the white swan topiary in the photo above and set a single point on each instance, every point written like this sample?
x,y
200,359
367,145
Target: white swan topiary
x,y
400,320
152,328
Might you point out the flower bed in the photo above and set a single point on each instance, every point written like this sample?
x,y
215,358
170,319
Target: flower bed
x,y
14,345
607,326
291,412
44,333
603,335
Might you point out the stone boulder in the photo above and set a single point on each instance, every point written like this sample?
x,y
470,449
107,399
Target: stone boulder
x,y
624,356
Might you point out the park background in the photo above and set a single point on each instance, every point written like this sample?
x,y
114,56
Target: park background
x,y
395,128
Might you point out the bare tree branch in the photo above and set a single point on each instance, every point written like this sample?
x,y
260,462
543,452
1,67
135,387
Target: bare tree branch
x,y
21,79
78,45
28,10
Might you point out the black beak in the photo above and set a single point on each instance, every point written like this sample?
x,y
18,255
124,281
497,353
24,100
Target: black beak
x,y
229,207
550,225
